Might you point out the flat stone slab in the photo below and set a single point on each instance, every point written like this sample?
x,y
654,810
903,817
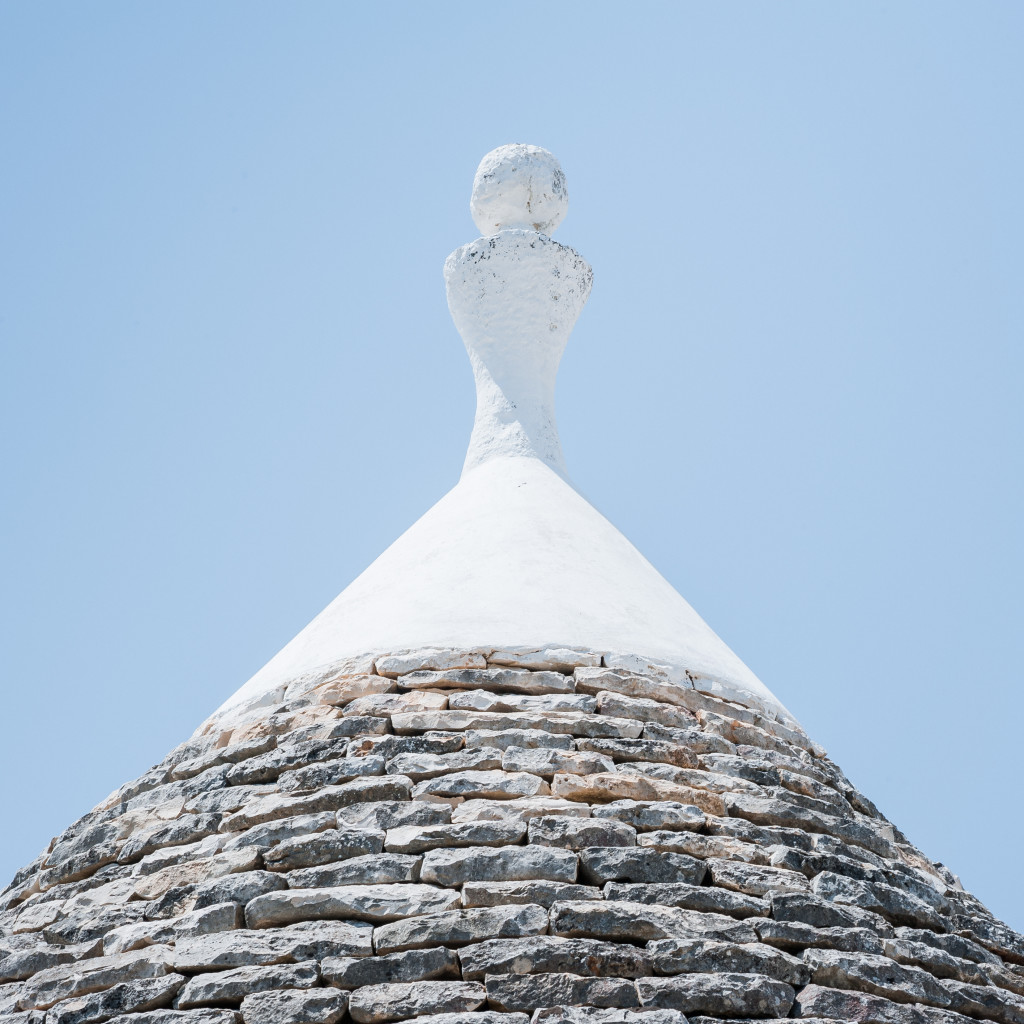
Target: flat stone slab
x,y
348,902
294,1006
460,928
381,1004
553,954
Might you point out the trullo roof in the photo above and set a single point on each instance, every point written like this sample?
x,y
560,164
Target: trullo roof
x,y
508,776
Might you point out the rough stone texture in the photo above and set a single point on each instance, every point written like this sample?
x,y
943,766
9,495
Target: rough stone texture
x,y
719,995
466,841
552,954
380,1004
294,1006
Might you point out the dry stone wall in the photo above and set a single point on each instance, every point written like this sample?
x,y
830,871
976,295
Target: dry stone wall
x,y
461,838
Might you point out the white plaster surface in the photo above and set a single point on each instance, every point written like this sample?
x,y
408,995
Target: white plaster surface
x,y
513,557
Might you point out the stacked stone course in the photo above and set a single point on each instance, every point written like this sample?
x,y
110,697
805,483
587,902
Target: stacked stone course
x,y
495,837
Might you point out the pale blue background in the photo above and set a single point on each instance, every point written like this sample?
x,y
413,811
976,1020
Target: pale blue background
x,y
230,379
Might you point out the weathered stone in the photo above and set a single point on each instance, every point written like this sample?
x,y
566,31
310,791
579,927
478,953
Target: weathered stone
x,y
218,918
543,954
329,773
294,1006
813,910
579,833
232,754
753,768
955,945
388,814
599,1015
704,847
624,921
269,766
629,684
412,965
642,749
606,786
486,700
875,974
223,801
512,992
380,1004
37,916
80,855
347,902
545,761
572,723
93,975
816,1001
549,659
297,942
796,935
92,923
638,864
23,963
695,778
511,680
773,811
525,739
390,746
238,888
412,839
693,739
459,928
543,893
340,692
203,1015
937,962
704,898
484,785
323,848
984,1001
893,904
993,935
516,810
643,709
504,864
421,766
701,956
755,879
229,988
438,660
480,1017
330,798
646,815
270,833
721,995
763,835
375,869
130,997
387,704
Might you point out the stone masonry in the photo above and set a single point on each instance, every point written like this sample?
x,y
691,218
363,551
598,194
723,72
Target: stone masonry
x,y
491,838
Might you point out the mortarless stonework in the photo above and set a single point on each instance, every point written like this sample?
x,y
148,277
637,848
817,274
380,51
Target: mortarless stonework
x,y
489,844
628,827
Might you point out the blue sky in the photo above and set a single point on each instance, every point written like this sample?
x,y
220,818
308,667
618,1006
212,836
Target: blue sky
x,y
230,379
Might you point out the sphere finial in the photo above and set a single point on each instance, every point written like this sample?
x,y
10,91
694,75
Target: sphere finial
x,y
519,186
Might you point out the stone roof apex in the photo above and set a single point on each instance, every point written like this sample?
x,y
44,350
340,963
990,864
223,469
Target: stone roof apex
x,y
513,557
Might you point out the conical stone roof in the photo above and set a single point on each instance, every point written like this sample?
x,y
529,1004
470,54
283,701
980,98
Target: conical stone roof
x,y
507,814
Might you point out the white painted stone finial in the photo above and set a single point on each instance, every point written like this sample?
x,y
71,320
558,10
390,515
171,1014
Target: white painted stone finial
x,y
519,186
515,295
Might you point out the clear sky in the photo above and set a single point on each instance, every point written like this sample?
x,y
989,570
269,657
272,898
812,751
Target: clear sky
x,y
229,378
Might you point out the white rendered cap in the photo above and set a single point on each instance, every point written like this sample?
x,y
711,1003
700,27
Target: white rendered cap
x,y
519,186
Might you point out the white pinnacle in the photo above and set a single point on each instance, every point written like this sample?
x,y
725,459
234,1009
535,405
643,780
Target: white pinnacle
x,y
513,558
